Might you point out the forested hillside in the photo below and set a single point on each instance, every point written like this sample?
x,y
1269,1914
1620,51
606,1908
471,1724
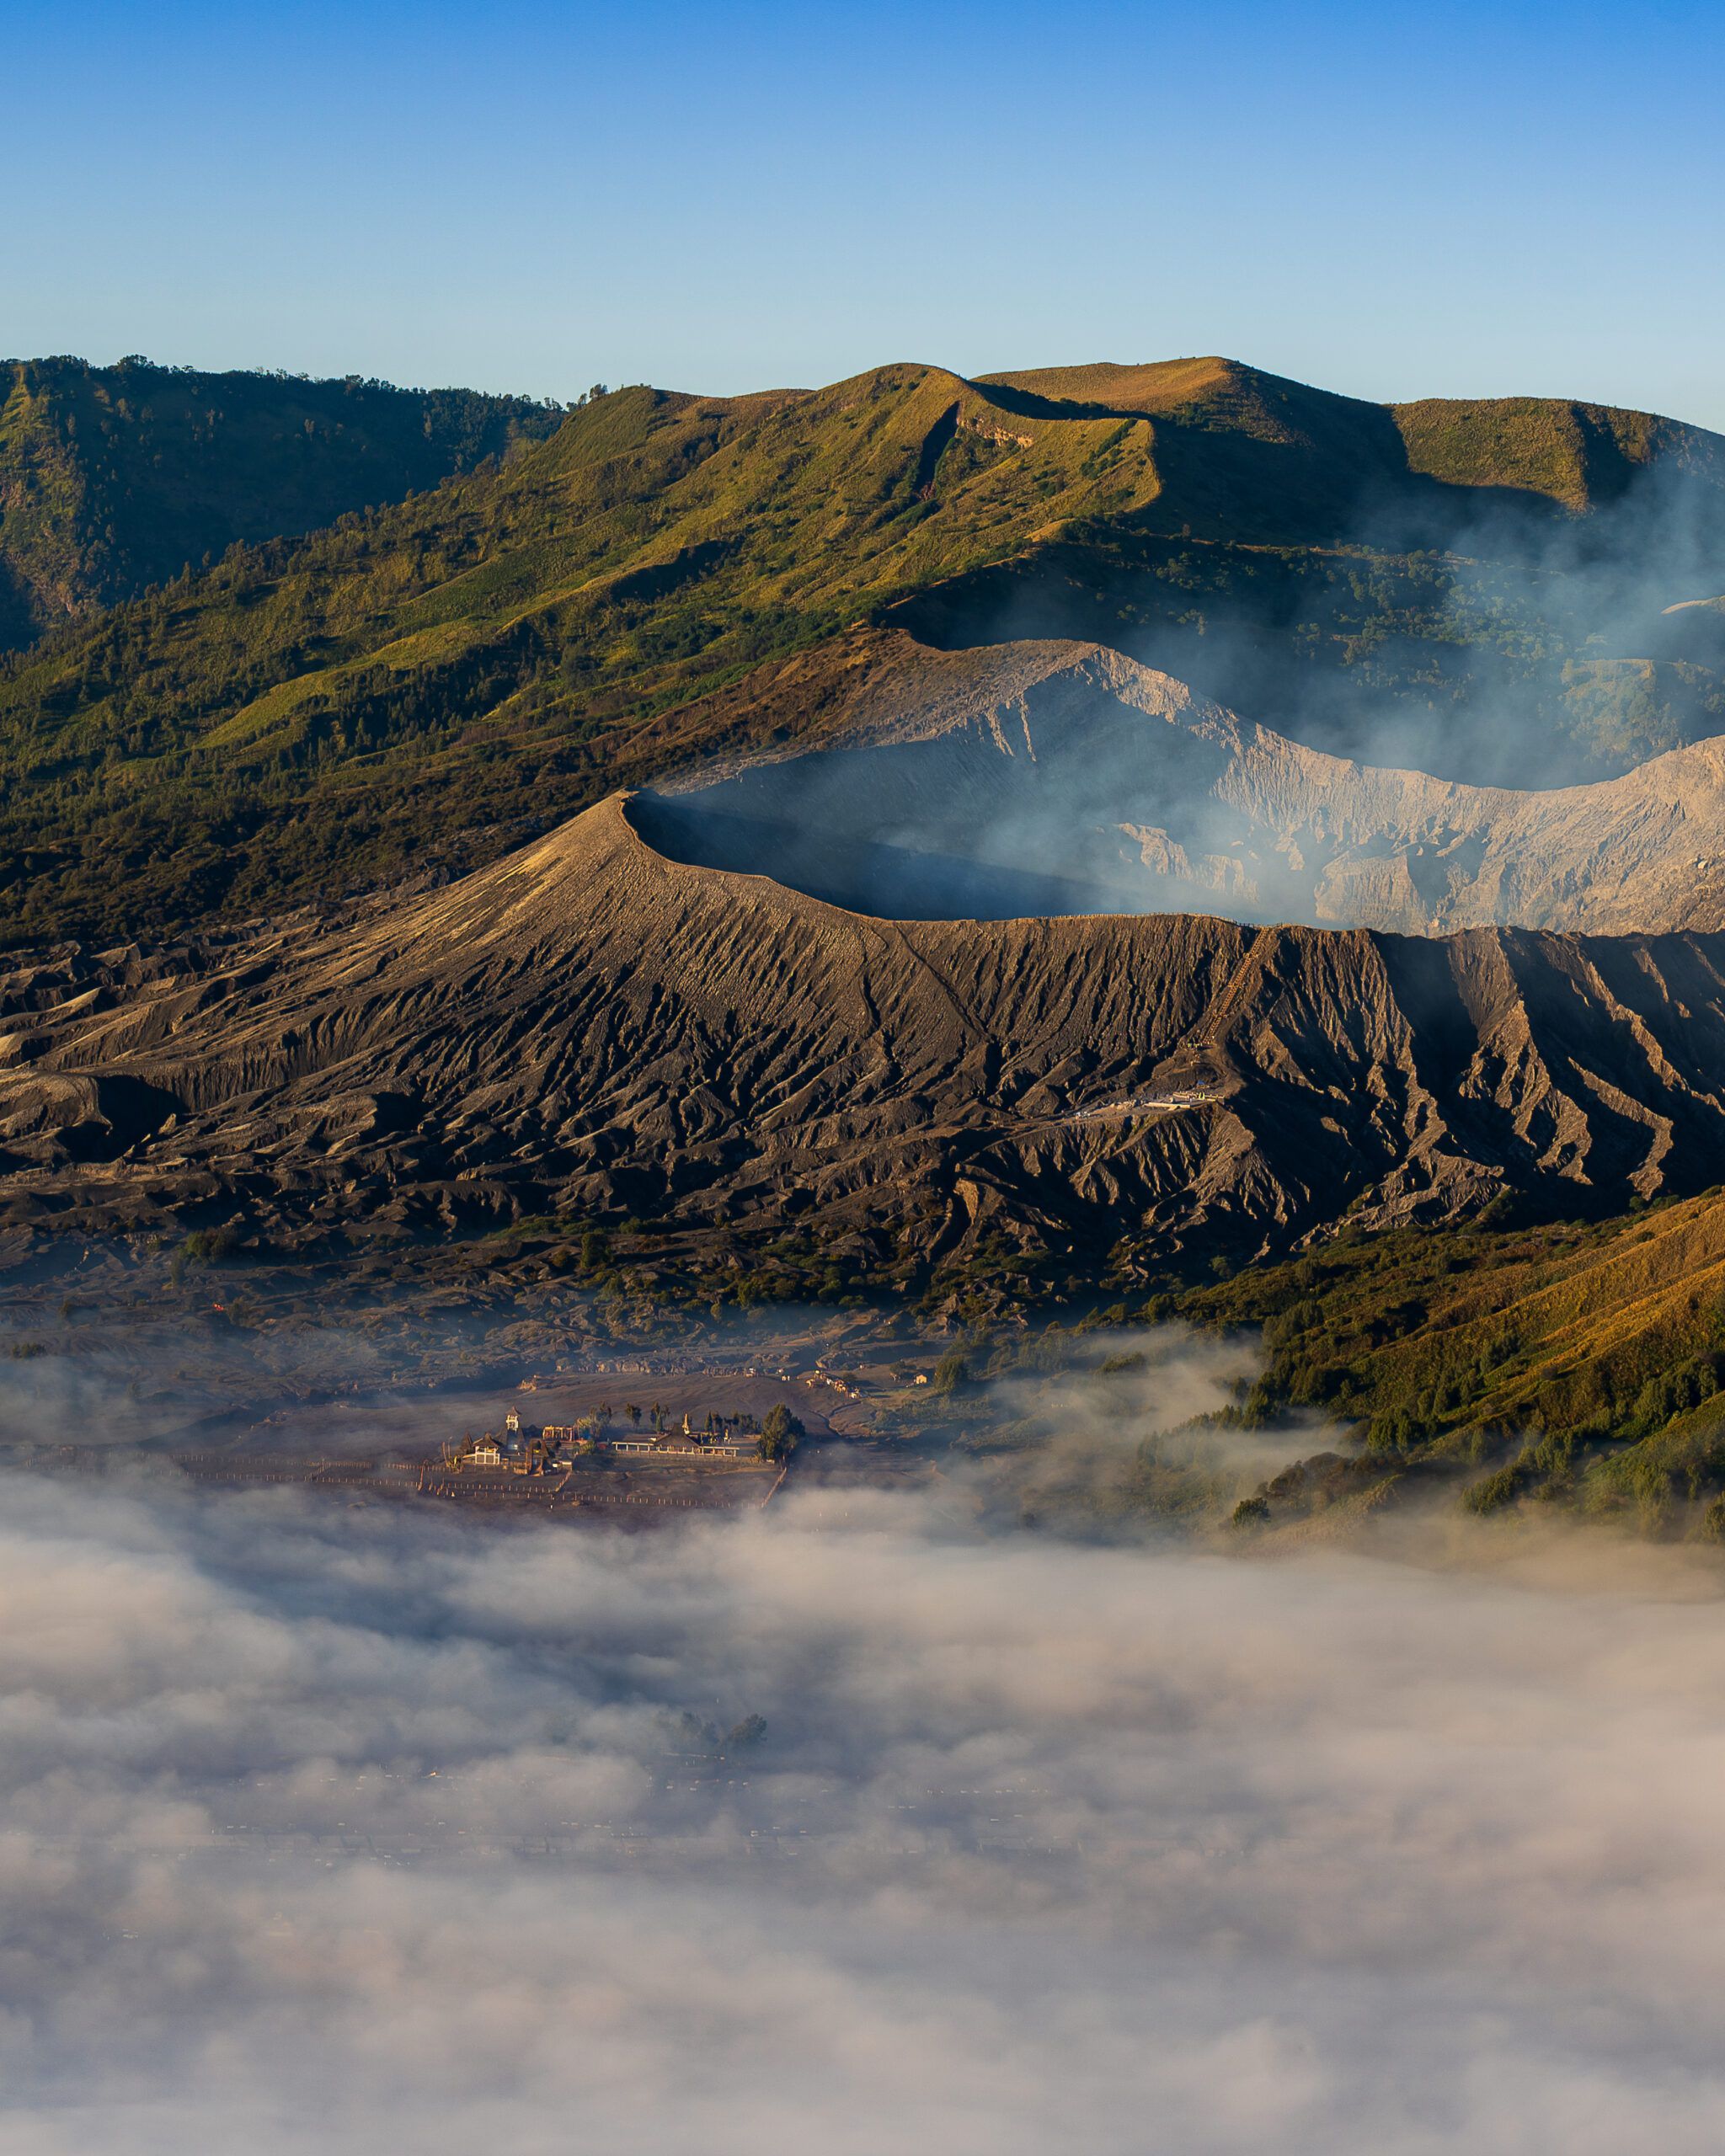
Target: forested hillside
x,y
1569,1362
113,479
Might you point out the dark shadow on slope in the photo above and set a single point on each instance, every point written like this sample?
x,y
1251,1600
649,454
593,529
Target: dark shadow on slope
x,y
892,883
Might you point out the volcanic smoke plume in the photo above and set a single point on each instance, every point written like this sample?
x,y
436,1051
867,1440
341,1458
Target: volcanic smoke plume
x,y
358,1830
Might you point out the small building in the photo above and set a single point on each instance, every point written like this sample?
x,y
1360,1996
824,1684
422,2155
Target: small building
x,y
672,1444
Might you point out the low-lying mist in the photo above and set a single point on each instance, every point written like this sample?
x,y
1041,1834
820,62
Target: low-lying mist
x,y
355,1830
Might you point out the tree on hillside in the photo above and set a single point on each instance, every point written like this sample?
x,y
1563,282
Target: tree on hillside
x,y
950,1373
779,1434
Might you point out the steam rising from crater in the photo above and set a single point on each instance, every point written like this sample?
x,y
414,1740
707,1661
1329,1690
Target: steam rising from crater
x,y
1540,751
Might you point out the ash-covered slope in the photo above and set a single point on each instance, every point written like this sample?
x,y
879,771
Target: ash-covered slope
x,y
586,1025
1055,777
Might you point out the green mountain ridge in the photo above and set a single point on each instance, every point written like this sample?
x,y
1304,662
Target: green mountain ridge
x,y
431,682
113,479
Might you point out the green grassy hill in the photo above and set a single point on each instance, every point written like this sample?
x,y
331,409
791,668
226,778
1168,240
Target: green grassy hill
x,y
430,682
114,478
1584,1363
1580,454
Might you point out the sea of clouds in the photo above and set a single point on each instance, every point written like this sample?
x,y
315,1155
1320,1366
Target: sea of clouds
x,y
366,1829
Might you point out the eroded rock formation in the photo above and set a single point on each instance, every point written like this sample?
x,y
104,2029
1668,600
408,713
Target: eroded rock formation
x,y
588,1024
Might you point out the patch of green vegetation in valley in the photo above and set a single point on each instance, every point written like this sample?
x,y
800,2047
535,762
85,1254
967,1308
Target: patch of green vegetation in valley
x,y
1578,1363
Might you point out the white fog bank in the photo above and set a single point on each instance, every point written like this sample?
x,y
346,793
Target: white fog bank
x,y
355,1830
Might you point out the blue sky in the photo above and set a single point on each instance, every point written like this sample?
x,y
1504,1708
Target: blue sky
x,y
1393,201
